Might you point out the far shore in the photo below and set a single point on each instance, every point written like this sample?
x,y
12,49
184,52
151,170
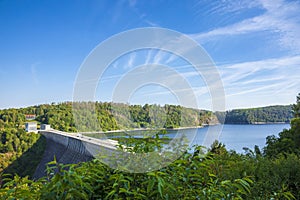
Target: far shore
x,y
271,123
182,128
149,129
259,123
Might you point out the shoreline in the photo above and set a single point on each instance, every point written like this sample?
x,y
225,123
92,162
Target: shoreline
x,y
180,128
258,123
150,129
145,129
271,123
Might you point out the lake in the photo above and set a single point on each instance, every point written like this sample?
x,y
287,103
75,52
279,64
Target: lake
x,y
238,136
234,137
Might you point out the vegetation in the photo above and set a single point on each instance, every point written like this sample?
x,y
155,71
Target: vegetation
x,y
113,116
26,164
17,150
218,174
288,141
108,116
270,114
270,173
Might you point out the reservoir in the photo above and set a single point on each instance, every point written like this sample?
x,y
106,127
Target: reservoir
x,y
235,137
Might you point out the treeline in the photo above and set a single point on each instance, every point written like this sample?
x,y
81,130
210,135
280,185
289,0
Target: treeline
x,y
15,143
113,116
269,114
268,173
107,116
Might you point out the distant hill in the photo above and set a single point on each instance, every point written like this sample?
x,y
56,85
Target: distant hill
x,y
113,116
269,114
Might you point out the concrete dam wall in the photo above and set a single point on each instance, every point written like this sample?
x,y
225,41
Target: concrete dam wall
x,y
69,148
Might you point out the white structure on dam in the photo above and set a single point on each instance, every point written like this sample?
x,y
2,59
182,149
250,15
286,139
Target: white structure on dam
x,y
45,127
31,127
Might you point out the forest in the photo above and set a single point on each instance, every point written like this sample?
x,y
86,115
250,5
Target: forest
x,y
269,114
113,116
109,116
213,173
16,143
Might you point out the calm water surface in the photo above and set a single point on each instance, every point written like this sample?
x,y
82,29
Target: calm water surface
x,y
234,137
238,136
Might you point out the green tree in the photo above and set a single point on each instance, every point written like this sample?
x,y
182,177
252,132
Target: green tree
x,y
296,107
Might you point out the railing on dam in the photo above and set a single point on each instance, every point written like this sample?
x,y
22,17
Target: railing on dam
x,y
64,137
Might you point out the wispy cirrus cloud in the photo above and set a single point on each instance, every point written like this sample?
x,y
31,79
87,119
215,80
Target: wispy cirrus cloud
x,y
259,80
262,79
159,57
253,90
224,6
280,18
131,60
273,76
141,15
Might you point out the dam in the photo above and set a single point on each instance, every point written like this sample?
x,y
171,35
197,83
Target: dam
x,y
71,148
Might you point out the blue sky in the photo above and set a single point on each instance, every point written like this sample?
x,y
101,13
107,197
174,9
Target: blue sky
x,y
255,45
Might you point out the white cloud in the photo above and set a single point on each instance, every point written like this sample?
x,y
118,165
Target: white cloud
x,y
253,90
171,58
226,6
281,18
262,82
158,57
195,90
131,60
149,57
256,83
286,66
151,23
